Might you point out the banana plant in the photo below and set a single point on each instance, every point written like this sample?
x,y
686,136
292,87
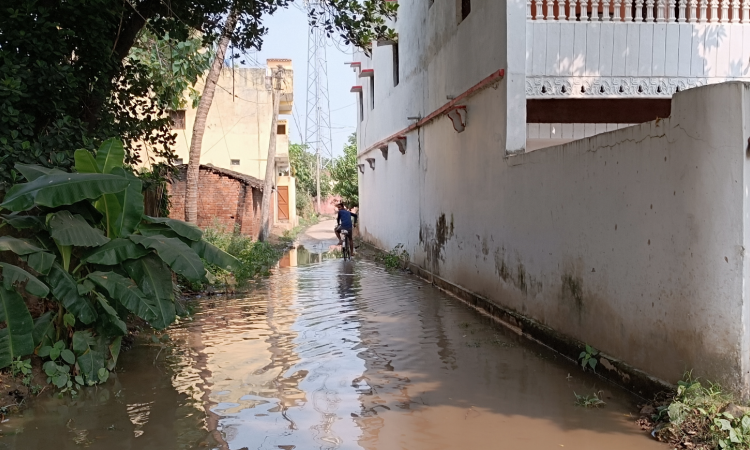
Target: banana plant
x,y
82,241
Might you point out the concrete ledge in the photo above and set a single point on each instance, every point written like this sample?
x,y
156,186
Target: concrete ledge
x,y
615,371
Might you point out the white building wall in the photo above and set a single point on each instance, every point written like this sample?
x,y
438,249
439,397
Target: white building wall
x,y
631,241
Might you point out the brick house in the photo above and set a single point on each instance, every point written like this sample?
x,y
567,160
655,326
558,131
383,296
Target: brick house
x,y
229,198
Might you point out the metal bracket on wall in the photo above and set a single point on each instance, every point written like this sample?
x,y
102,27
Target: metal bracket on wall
x,y
361,168
384,151
372,162
457,114
401,143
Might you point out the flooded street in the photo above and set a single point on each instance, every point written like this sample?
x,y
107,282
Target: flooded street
x,y
331,355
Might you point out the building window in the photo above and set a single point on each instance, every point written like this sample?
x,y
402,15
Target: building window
x,y
178,162
372,92
178,119
395,64
234,162
361,107
463,9
281,129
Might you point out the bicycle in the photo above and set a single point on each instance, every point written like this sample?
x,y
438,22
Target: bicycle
x,y
346,249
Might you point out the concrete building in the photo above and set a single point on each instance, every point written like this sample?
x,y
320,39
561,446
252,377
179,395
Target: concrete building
x,y
630,238
238,131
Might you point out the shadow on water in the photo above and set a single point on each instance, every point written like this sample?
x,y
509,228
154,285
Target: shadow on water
x,y
327,354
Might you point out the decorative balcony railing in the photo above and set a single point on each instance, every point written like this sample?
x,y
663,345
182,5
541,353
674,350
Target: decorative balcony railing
x,y
690,11
634,48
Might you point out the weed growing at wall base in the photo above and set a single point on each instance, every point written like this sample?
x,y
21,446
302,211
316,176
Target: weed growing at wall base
x,y
397,258
700,417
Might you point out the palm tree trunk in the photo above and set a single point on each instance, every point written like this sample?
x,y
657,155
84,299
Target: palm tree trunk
x,y
265,222
196,142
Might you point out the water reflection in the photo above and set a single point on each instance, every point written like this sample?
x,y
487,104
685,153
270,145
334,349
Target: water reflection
x,y
330,354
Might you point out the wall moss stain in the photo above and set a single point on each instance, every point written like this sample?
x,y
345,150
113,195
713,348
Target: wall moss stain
x,y
572,292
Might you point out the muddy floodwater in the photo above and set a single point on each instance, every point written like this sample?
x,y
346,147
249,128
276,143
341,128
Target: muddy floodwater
x,y
325,354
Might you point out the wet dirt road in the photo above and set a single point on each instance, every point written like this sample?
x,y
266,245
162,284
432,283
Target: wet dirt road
x,y
332,355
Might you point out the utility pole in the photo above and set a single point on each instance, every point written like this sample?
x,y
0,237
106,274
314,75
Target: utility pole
x,y
276,84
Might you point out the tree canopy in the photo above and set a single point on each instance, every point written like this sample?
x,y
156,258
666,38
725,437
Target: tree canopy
x,y
66,81
344,174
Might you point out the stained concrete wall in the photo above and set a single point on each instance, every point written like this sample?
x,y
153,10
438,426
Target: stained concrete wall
x,y
632,241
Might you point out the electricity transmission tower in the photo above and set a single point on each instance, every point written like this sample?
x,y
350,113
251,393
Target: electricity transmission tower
x,y
318,109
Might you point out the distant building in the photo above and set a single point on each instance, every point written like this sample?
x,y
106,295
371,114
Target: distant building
x,y
238,130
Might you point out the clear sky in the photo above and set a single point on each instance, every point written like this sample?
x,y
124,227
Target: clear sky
x,y
287,38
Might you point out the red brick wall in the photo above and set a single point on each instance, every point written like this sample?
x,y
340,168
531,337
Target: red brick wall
x,y
222,200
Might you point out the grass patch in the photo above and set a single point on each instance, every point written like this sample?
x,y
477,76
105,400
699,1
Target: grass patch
x,y
699,416
397,258
256,258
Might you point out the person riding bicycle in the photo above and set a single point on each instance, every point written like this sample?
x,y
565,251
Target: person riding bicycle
x,y
345,220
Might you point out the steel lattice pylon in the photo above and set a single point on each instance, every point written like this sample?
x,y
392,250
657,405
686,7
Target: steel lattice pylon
x,y
318,109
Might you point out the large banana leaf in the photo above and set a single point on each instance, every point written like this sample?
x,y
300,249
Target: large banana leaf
x,y
214,255
89,358
32,171
17,338
40,261
126,292
24,222
155,280
67,229
62,189
65,290
85,162
17,246
111,154
14,274
44,329
131,205
185,229
181,258
115,252
113,324
110,207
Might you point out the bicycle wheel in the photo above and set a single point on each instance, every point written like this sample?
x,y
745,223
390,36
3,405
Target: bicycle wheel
x,y
345,248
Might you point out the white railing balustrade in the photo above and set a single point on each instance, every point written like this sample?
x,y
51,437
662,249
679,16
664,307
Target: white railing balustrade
x,y
659,11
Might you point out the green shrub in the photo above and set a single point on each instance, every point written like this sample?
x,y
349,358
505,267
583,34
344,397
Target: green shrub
x,y
396,258
82,241
254,258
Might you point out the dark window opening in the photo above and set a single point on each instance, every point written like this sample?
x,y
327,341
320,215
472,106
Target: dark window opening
x,y
361,107
395,65
372,92
178,119
281,129
465,8
234,162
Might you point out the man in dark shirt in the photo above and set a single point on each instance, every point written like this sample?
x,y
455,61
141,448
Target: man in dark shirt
x,y
345,220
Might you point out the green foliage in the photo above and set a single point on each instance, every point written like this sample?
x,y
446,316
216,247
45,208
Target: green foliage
x,y
586,401
588,357
303,163
73,73
65,86
123,266
255,258
396,258
174,67
344,174
703,417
